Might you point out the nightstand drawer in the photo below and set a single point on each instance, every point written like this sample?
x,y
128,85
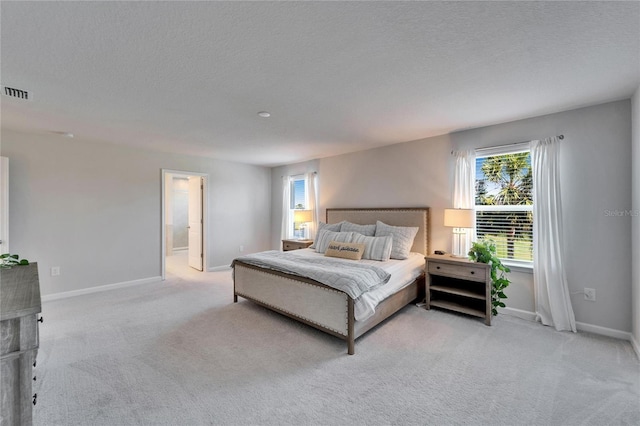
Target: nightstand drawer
x,y
467,272
288,245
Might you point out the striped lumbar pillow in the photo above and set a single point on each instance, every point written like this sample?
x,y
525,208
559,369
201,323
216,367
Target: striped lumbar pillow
x,y
335,227
375,248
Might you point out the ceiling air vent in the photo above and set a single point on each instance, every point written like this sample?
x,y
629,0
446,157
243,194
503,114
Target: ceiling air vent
x,y
12,92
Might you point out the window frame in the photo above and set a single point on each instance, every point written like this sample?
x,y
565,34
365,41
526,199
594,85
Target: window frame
x,y
515,264
292,206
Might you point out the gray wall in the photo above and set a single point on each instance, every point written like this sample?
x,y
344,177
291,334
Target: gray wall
x,y
94,208
635,206
595,177
595,174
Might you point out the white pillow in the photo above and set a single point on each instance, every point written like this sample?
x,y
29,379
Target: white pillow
x,y
368,230
329,227
325,237
375,248
403,237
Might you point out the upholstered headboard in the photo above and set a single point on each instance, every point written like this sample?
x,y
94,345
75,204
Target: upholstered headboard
x,y
418,216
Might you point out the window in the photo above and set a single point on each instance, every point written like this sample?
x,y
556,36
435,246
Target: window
x,y
504,203
298,194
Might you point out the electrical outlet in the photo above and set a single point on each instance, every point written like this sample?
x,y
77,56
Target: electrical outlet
x,y
590,294
241,249
55,271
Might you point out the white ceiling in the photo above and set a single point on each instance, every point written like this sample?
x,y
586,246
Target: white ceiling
x,y
337,77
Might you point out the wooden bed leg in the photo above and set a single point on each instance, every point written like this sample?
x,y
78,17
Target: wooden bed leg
x,y
351,344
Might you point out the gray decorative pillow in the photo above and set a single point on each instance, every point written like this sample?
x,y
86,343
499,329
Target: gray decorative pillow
x,y
375,248
368,230
403,237
335,227
325,237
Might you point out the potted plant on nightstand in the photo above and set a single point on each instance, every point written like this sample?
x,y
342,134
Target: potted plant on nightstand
x,y
485,252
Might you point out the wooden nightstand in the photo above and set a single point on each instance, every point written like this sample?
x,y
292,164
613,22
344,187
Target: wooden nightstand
x,y
459,285
288,245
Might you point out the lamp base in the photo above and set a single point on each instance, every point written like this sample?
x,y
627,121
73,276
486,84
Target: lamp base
x,y
459,247
457,256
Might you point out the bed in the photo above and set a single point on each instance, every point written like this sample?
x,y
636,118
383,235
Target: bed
x,y
324,307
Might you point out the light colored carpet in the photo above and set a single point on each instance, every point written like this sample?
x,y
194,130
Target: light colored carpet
x,y
180,352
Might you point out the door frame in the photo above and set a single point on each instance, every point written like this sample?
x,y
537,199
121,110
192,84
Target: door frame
x,y
195,221
205,216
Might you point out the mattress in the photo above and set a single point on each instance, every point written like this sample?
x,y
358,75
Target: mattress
x,y
403,273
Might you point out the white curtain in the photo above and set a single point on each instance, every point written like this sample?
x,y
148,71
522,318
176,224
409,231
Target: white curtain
x,y
312,204
285,232
464,190
553,305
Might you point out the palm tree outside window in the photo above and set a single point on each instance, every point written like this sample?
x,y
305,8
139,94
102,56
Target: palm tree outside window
x,y
504,204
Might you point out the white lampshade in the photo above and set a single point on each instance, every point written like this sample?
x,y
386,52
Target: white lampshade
x,y
302,216
458,218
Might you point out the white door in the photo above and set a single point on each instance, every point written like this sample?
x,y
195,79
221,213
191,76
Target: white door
x,y
195,222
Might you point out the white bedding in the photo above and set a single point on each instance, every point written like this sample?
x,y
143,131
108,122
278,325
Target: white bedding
x,y
403,272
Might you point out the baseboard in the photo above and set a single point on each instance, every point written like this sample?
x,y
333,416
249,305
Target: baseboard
x,y
218,268
581,326
603,331
519,313
97,289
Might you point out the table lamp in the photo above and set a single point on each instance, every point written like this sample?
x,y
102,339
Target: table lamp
x,y
302,217
460,220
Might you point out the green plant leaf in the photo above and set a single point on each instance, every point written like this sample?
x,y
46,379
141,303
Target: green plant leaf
x,y
485,252
8,260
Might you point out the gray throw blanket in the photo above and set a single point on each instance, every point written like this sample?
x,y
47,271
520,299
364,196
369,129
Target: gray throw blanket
x,y
345,275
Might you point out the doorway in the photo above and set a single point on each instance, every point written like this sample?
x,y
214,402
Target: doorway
x,y
184,210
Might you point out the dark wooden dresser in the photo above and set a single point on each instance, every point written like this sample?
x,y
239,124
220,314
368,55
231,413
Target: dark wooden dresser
x,y
19,308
